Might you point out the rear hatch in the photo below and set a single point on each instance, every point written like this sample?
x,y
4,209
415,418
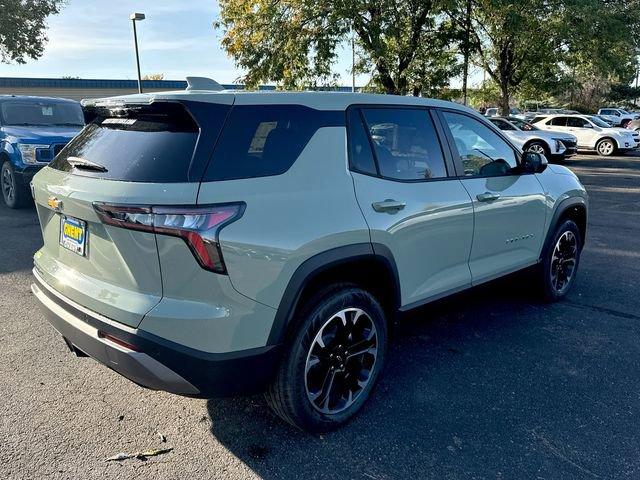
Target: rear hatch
x,y
138,155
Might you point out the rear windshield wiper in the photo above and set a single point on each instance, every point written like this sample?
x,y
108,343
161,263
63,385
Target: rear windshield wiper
x,y
84,164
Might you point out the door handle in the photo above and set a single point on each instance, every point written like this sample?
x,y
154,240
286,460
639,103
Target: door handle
x,y
388,205
487,196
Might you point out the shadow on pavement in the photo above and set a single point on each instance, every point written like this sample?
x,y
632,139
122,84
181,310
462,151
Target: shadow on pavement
x,y
457,384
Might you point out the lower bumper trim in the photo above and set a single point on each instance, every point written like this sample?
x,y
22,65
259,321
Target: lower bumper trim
x,y
136,366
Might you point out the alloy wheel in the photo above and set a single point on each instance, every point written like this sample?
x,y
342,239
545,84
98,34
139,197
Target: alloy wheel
x,y
605,148
8,187
341,360
563,261
536,148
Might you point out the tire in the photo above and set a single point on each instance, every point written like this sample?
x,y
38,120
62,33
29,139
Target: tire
x,y
311,387
15,195
565,247
539,147
606,147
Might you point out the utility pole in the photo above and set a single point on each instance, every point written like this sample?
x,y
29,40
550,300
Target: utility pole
x,y
353,61
465,74
136,17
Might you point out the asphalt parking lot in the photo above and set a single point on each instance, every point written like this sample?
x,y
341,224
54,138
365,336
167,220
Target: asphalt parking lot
x,y
489,384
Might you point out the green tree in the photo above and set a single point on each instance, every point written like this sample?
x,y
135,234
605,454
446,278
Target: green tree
x,y
22,28
403,44
547,47
512,41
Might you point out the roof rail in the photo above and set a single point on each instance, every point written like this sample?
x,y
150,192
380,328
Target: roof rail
x,y
203,83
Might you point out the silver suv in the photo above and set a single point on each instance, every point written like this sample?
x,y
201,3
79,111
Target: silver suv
x,y
219,243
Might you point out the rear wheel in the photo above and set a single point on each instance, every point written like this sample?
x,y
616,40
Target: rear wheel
x,y
334,360
606,147
560,262
15,195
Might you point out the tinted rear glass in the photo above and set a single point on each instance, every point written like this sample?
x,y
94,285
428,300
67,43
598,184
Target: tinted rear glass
x,y
151,143
265,140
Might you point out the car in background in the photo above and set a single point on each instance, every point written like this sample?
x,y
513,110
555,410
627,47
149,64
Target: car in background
x,y
592,133
33,130
617,116
495,112
604,118
556,146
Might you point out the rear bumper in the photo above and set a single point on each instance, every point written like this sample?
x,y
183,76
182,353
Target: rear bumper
x,y
153,362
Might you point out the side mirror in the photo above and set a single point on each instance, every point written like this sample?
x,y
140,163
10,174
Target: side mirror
x,y
533,162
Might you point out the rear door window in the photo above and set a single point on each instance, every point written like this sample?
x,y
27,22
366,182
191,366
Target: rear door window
x,y
152,143
265,140
405,142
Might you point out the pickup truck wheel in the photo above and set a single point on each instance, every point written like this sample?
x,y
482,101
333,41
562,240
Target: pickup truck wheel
x,y
334,360
14,194
560,262
606,147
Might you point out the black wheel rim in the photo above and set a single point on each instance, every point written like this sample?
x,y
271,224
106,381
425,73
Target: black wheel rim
x,y
341,360
8,189
563,262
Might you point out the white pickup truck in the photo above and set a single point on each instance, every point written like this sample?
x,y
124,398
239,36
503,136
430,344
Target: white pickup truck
x,y
617,117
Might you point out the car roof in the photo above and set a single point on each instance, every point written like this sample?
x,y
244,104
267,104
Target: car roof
x,y
34,99
316,100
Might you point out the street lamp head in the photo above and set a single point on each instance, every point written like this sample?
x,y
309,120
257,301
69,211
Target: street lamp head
x,y
137,16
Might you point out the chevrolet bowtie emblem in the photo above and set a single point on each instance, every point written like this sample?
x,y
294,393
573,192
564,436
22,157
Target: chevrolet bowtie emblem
x,y
54,203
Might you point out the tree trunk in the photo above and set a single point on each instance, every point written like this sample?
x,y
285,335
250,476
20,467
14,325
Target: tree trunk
x,y
505,110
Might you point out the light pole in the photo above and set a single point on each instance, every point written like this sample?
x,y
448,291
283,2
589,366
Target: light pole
x,y
137,17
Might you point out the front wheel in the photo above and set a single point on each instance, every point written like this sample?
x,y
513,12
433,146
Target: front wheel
x,y
560,262
539,147
606,147
334,360
13,193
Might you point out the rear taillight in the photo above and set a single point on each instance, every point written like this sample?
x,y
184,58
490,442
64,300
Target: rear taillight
x,y
197,226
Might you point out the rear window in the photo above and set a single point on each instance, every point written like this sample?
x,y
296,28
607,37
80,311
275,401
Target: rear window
x,y
265,140
150,143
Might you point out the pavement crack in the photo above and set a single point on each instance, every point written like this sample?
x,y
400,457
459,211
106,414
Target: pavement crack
x,y
608,311
544,441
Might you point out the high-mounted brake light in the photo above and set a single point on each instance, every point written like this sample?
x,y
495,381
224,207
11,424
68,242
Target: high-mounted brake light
x,y
197,226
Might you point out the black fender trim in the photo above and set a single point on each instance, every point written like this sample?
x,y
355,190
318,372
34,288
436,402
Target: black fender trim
x,y
320,263
562,207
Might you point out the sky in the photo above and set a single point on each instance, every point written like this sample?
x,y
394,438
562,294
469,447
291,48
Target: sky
x,y
94,39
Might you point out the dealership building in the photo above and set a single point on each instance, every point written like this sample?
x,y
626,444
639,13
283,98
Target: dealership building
x,y
77,88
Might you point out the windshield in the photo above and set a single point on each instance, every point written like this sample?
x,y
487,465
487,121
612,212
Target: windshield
x,y
598,122
42,113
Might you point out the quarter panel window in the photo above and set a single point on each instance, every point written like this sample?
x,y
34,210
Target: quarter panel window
x,y
360,154
482,151
406,143
265,140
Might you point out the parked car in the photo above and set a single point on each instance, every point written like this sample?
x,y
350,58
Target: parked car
x,y
605,119
33,130
495,112
556,146
592,133
617,116
278,262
